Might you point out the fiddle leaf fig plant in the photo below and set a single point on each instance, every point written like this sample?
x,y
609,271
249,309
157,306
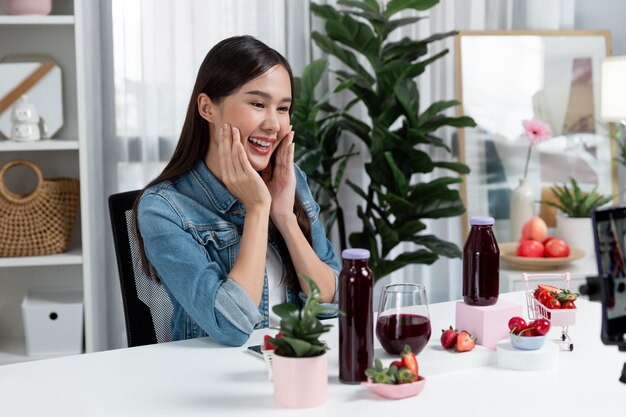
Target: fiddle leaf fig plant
x,y
401,136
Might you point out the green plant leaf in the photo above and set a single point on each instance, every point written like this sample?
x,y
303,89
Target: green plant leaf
x,y
286,310
422,256
438,246
327,45
388,236
301,348
356,189
440,202
437,122
418,68
408,97
398,175
395,6
454,166
437,107
367,5
355,35
392,25
389,75
342,166
405,48
324,11
311,76
355,126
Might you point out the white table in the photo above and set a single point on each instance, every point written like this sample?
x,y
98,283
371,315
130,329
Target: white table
x,y
200,378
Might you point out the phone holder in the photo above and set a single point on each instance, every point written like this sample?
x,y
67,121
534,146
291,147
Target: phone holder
x,y
601,288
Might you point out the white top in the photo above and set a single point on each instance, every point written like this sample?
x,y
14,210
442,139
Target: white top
x,y
198,377
274,268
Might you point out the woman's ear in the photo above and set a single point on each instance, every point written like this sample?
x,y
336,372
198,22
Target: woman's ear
x,y
206,108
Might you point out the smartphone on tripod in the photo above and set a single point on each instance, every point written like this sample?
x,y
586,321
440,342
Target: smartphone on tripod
x,y
609,227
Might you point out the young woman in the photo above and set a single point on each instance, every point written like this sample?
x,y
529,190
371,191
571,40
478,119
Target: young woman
x,y
230,222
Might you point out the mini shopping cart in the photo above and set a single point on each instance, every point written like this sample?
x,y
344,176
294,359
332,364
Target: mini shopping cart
x,y
557,317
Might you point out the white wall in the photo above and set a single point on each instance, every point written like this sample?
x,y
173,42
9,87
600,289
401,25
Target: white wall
x,y
605,14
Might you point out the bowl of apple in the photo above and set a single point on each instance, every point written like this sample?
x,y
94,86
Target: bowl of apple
x,y
537,250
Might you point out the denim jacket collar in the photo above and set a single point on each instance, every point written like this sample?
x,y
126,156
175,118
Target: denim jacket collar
x,y
219,195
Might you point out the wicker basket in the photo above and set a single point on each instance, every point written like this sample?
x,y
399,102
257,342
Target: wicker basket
x,y
39,223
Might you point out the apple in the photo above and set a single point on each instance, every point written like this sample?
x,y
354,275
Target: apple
x,y
535,229
557,248
530,249
549,238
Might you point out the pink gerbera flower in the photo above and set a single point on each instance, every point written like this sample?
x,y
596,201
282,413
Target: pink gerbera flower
x,y
536,131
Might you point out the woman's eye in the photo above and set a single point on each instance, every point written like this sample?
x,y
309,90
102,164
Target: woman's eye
x,y
258,105
283,109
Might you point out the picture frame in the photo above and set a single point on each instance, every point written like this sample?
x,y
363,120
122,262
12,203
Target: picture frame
x,y
506,77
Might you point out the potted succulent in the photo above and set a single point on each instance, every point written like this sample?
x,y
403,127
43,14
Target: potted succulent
x,y
574,223
300,363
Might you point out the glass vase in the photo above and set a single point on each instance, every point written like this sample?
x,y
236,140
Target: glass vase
x,y
521,209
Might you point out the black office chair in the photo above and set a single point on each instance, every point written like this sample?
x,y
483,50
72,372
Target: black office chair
x,y
147,307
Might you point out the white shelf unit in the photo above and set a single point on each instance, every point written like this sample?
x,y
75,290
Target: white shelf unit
x,y
36,20
40,145
70,36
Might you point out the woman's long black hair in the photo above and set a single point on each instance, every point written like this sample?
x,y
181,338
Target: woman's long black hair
x,y
226,68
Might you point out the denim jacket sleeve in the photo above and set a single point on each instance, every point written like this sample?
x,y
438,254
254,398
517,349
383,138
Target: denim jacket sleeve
x,y
220,306
321,245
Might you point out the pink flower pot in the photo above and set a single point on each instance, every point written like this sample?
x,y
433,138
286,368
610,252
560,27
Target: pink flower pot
x,y
32,7
300,382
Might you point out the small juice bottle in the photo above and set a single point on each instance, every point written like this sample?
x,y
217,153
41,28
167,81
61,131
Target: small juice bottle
x,y
481,264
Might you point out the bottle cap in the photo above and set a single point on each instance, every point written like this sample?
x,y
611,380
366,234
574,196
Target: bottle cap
x,y
481,221
355,253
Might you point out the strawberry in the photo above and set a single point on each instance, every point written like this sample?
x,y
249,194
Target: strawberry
x,y
410,362
267,345
397,364
448,338
465,342
267,341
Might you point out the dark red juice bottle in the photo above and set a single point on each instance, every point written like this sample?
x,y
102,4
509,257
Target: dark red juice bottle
x,y
356,327
481,264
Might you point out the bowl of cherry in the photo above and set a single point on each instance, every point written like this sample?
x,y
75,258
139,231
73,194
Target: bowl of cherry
x,y
528,335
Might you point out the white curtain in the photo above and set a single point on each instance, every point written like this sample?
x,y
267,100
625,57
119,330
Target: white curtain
x,y
158,46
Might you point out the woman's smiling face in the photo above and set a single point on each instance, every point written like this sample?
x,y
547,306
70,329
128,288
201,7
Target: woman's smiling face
x,y
260,110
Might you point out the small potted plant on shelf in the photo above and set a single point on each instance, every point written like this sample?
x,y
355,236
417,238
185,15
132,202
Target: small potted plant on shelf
x,y
300,363
574,223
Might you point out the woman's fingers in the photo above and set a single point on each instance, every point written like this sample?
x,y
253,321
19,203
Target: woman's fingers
x,y
237,150
227,157
285,157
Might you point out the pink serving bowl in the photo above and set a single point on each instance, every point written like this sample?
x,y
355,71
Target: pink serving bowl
x,y
396,392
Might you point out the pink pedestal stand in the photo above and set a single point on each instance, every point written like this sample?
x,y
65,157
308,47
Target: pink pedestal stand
x,y
489,324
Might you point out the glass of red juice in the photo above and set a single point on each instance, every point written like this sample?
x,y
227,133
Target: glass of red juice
x,y
403,318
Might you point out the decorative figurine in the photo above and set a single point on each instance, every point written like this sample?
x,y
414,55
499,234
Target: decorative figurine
x,y
25,121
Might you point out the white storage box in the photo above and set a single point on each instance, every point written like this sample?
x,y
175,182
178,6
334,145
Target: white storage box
x,y
53,321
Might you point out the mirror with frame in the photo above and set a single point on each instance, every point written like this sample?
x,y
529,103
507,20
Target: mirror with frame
x,y
505,77
37,81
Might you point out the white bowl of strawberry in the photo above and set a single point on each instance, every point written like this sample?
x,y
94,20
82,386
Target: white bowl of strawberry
x,y
528,336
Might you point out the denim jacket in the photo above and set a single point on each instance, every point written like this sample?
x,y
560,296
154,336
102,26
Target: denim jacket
x,y
191,229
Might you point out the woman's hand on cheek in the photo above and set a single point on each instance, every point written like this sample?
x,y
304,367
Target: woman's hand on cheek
x,y
283,183
236,172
